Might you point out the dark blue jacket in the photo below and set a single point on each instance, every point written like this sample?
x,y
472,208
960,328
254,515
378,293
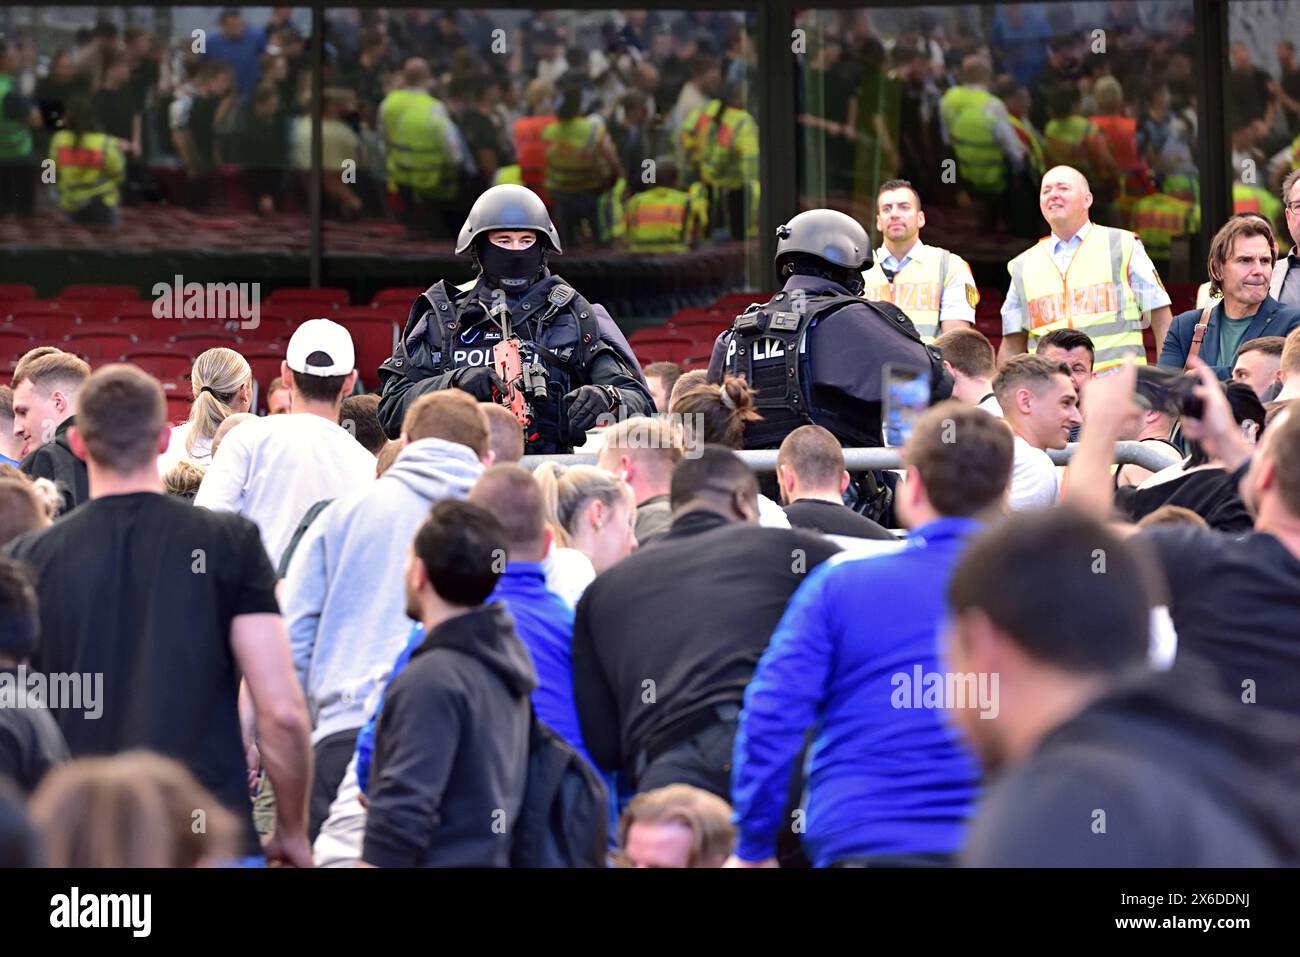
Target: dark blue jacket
x,y
853,656
1272,319
544,623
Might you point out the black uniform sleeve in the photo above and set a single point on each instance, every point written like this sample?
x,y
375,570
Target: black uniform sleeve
x,y
608,368
617,366
399,391
594,699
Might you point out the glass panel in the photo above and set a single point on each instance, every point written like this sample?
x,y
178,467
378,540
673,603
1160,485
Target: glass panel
x,y
1262,106
638,129
972,103
158,137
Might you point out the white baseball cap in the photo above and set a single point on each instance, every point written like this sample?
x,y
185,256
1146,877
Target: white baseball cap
x,y
321,335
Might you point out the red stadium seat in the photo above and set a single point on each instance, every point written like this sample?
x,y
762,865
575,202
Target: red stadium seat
x,y
109,346
733,304
400,295
373,338
139,309
334,297
201,341
265,363
99,291
163,365
14,342
18,291
40,319
94,310
178,408
140,328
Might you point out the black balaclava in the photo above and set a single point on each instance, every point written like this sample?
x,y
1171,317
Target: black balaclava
x,y
514,270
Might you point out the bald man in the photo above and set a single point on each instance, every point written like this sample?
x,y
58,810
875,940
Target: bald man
x,y
1113,292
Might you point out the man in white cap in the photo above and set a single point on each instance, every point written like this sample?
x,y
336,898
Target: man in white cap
x,y
274,469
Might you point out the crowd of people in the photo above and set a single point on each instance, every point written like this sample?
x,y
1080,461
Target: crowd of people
x,y
635,127
638,128
341,649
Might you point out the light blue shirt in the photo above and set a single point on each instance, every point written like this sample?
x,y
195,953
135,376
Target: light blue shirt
x,y
1141,276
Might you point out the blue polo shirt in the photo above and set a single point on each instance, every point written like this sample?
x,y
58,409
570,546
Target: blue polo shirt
x,y
887,772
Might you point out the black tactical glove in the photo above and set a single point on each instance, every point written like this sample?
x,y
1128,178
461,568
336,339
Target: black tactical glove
x,y
479,381
586,405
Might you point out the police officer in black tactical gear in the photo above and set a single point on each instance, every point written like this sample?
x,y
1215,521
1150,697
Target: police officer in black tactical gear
x,y
578,365
816,352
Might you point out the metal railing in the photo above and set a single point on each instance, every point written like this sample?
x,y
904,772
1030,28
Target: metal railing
x,y
1148,455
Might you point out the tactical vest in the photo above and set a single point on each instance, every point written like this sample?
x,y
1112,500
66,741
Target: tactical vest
x,y
456,335
768,346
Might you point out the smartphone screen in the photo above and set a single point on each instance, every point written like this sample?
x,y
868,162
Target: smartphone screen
x,y
906,397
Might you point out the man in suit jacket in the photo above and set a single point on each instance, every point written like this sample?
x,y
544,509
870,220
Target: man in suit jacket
x,y
1241,263
1286,273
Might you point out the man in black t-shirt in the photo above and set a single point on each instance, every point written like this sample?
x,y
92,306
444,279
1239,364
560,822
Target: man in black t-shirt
x,y
810,471
1234,600
164,606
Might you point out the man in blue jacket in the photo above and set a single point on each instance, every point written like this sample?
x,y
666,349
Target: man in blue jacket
x,y
1241,265
856,655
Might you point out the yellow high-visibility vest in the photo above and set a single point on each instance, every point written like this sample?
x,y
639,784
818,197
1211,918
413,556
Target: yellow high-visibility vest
x,y
970,127
1094,294
1159,219
87,167
659,221
918,287
415,133
573,159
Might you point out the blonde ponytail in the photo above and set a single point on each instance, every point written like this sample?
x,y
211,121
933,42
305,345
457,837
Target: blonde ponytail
x,y
216,378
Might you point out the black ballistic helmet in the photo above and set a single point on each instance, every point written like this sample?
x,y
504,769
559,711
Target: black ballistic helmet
x,y
507,206
828,235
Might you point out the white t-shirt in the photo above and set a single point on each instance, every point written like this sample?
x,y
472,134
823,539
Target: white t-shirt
x,y
991,406
201,456
568,573
770,514
273,469
1034,481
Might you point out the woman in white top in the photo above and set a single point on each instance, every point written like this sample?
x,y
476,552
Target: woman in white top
x,y
223,385
592,513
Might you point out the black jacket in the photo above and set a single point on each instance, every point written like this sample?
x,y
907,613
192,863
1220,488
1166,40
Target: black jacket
x,y
30,741
681,626
54,460
451,748
1160,772
845,361
418,364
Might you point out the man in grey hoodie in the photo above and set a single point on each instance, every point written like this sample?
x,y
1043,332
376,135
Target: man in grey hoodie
x,y
343,596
